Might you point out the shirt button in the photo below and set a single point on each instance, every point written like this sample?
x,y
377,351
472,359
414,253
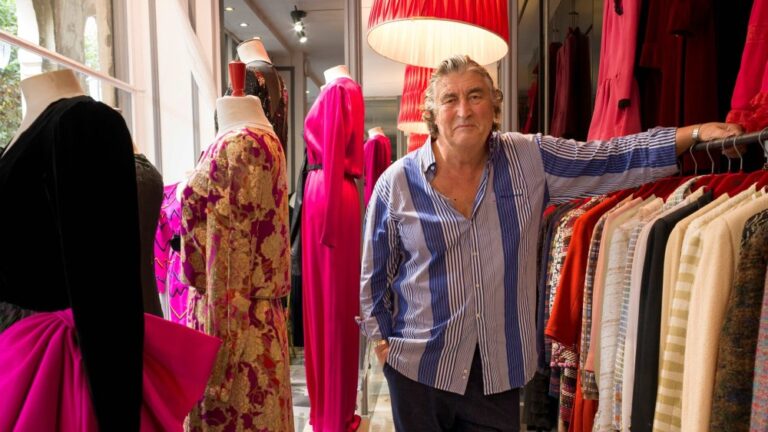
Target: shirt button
x,y
478,316
477,285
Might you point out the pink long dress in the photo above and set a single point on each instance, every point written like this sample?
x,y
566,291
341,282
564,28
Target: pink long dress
x,y
617,103
330,231
47,389
378,156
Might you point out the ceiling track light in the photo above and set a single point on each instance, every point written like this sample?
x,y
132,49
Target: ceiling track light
x,y
298,25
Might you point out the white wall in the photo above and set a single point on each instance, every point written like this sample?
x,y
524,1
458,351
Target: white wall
x,y
181,55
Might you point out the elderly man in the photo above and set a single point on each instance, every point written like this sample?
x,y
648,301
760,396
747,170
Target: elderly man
x,y
448,285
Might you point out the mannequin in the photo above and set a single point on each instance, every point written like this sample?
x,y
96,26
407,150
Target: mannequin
x,y
252,49
330,239
40,91
69,186
336,72
263,81
377,156
236,112
244,245
376,130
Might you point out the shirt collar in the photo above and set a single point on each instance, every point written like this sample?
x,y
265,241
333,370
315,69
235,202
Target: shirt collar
x,y
427,157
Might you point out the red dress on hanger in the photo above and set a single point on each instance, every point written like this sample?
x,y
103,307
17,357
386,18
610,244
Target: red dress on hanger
x,y
331,236
617,104
749,104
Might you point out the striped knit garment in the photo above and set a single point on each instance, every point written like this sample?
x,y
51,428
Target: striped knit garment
x,y
669,395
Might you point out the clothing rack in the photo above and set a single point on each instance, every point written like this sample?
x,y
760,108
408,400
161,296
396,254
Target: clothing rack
x,y
760,138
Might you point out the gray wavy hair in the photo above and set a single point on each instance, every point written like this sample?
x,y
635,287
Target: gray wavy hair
x,y
457,64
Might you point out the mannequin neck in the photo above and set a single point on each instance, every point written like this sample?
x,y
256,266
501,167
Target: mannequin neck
x,y
251,50
336,72
236,112
42,90
372,132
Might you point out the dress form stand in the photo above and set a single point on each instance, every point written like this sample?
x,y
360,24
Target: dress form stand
x,y
239,109
41,90
252,49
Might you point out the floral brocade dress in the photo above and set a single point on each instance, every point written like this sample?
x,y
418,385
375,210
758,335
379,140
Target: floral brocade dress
x,y
235,257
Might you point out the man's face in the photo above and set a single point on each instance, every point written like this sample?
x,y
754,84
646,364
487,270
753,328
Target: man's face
x,y
464,109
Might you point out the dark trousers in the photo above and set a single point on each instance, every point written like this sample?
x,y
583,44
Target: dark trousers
x,y
419,408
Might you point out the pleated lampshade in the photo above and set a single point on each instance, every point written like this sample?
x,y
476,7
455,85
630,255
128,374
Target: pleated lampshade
x,y
415,83
415,141
425,32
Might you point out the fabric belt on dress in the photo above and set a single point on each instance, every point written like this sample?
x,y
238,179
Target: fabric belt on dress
x,y
319,167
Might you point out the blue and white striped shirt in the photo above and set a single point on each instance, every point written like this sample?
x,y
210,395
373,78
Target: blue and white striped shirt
x,y
436,285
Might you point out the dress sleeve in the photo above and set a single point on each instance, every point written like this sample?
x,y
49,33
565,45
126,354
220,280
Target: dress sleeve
x,y
93,157
337,120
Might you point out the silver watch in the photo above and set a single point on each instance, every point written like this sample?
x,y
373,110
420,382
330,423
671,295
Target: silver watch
x,y
695,134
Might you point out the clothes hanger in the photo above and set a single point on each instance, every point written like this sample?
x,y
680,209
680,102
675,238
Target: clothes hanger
x,y
763,181
732,183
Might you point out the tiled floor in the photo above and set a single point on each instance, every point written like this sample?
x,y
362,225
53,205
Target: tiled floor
x,y
379,418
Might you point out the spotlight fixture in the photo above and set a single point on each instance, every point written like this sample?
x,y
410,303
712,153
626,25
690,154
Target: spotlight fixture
x,y
298,25
243,24
229,9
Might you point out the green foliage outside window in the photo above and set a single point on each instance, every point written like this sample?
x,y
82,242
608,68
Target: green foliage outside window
x,y
10,93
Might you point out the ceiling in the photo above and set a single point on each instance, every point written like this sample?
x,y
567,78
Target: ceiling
x,y
325,39
271,20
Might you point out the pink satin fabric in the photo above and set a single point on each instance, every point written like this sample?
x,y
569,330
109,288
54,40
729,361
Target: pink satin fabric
x,y
44,386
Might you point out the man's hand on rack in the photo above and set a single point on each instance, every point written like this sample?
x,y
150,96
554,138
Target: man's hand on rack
x,y
690,135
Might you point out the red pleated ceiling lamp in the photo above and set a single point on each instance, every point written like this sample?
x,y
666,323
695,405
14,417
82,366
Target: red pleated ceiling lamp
x,y
415,83
415,141
425,32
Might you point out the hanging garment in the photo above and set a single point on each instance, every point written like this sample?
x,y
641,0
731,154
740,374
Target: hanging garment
x,y
174,375
667,415
632,302
52,184
149,183
263,81
377,155
721,242
572,105
330,231
647,354
617,103
738,338
759,419
296,314
676,53
235,257
531,123
173,292
749,104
